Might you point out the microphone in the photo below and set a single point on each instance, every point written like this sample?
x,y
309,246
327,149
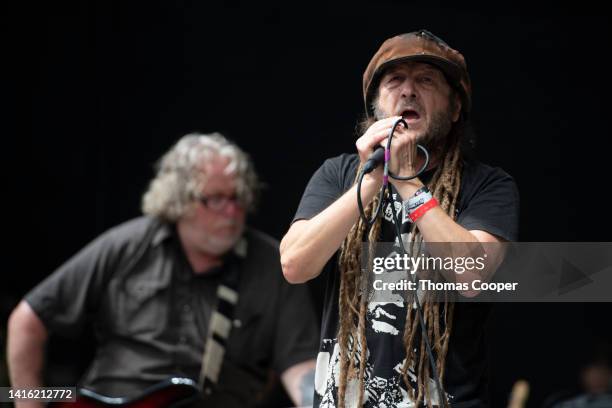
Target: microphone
x,y
375,159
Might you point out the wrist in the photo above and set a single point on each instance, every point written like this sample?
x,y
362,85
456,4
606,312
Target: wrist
x,y
418,204
407,188
370,185
420,211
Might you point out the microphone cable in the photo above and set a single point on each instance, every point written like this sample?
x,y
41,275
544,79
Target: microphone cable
x,y
370,165
373,162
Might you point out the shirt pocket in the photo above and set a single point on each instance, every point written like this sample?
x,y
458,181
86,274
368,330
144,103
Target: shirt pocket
x,y
142,305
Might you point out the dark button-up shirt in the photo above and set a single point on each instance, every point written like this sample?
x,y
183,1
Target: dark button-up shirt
x,y
151,311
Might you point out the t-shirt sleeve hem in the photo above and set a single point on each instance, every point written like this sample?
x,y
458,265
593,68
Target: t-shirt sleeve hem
x,y
44,313
491,229
296,358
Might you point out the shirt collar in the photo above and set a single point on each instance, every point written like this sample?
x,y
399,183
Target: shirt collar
x,y
166,230
240,249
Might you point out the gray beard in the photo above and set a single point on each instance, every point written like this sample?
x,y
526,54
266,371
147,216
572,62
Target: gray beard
x,y
218,246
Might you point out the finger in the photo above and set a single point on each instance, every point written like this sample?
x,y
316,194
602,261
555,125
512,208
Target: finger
x,y
386,123
377,133
405,136
375,137
366,145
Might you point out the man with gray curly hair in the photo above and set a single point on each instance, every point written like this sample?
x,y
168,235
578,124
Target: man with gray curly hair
x,y
195,163
186,291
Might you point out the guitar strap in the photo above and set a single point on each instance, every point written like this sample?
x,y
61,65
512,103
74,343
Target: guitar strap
x,y
221,321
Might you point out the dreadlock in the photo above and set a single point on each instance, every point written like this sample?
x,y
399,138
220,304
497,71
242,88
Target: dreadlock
x,y
437,315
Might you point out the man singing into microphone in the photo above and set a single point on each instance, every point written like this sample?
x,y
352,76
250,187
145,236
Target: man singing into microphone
x,y
419,78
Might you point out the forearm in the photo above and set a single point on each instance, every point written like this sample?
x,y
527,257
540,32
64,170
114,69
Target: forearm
x,y
446,238
454,242
308,245
25,350
437,226
298,381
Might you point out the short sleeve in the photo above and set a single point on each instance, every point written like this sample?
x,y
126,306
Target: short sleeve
x,y
491,203
71,294
326,185
297,333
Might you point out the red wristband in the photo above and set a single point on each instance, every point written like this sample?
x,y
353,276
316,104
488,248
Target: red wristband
x,y
421,210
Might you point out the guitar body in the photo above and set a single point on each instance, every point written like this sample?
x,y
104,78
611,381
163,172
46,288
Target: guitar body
x,y
174,392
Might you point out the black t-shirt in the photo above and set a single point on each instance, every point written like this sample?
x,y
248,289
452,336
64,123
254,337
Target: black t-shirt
x,y
488,201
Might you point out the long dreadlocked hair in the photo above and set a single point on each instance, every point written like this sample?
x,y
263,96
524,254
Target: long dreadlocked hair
x,y
353,301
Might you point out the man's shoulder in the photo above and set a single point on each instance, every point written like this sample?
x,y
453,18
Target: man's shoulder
x,y
136,229
262,258
133,234
342,161
261,241
476,171
262,249
341,169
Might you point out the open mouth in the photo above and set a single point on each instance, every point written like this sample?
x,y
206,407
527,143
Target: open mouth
x,y
410,115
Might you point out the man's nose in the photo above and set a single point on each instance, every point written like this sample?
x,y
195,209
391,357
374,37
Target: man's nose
x,y
232,209
408,90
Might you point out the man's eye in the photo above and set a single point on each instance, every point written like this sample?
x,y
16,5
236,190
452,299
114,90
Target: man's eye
x,y
426,79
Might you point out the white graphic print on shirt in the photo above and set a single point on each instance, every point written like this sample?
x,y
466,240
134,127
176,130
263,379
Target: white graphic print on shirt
x,y
380,392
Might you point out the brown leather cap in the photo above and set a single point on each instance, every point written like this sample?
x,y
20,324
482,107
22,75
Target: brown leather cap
x,y
420,46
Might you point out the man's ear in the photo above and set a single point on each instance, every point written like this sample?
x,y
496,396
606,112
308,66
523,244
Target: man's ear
x,y
456,106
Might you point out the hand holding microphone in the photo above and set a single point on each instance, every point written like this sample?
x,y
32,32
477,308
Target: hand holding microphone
x,y
402,151
369,145
374,160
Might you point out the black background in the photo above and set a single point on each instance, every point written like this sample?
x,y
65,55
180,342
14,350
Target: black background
x,y
108,86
